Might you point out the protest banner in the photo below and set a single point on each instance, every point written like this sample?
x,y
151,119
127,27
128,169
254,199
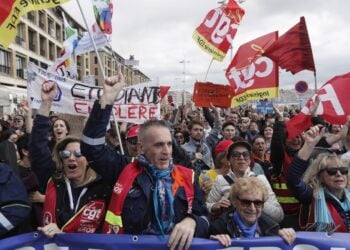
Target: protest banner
x,y
76,241
136,103
205,93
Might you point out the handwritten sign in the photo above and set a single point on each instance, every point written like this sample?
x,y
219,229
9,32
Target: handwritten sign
x,y
206,92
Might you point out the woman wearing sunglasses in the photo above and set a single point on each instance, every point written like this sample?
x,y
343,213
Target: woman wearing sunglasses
x,y
246,219
75,197
322,187
239,156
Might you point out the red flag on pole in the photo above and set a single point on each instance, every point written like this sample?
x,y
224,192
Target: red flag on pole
x,y
251,75
334,106
292,51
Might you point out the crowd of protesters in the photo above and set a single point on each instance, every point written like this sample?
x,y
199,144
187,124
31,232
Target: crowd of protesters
x,y
203,172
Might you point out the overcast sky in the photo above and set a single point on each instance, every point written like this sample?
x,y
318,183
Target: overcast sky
x,y
159,34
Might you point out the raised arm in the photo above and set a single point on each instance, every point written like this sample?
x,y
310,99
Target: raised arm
x,y
104,160
40,154
301,190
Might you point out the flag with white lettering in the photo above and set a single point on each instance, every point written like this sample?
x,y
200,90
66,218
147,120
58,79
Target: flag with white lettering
x,y
65,64
251,75
216,33
12,10
333,108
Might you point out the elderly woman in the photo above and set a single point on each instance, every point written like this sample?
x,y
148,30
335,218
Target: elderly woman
x,y
324,190
247,195
76,197
239,155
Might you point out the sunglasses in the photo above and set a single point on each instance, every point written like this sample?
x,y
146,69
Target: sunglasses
x,y
236,154
334,151
132,141
334,171
248,203
65,154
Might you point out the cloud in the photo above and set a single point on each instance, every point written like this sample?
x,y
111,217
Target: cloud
x,y
159,34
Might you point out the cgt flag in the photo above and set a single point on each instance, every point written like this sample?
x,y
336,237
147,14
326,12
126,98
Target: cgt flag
x,y
251,75
292,51
12,10
334,106
216,33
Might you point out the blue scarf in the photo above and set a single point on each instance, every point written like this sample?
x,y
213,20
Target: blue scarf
x,y
163,198
248,232
323,219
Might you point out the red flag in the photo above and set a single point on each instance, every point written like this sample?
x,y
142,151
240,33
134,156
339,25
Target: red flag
x,y
163,90
333,108
251,75
216,33
292,51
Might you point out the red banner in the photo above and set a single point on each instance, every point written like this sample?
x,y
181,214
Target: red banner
x,y
215,34
251,75
333,108
205,93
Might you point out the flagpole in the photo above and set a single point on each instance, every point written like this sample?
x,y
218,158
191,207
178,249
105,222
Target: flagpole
x,y
103,72
315,81
206,74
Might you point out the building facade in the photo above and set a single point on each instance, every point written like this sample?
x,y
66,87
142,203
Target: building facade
x,y
40,36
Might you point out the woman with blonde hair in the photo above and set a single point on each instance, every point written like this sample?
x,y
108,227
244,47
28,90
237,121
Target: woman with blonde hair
x,y
246,220
324,190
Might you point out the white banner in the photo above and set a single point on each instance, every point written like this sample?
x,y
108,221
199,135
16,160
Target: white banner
x,y
136,103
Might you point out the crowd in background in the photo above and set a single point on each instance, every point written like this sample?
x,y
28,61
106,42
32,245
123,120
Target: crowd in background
x,y
249,178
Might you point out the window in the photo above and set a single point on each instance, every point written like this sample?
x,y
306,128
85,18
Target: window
x,y
95,60
33,60
5,61
58,33
42,17
51,51
96,71
20,63
31,16
32,36
20,35
43,46
51,28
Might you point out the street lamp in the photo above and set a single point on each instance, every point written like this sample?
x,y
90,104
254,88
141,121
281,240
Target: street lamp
x,y
184,61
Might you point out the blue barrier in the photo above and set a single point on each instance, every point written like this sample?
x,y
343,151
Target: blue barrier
x,y
37,241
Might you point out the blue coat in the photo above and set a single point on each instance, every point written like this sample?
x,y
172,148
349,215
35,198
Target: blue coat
x,y
14,203
138,210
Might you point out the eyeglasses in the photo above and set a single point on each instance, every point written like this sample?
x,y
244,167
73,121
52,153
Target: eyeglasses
x,y
132,141
245,154
248,203
65,154
334,171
